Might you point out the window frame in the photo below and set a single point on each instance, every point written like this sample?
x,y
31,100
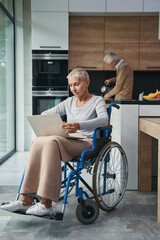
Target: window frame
x,y
12,18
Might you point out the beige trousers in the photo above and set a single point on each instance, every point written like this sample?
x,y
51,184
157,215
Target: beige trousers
x,y
43,170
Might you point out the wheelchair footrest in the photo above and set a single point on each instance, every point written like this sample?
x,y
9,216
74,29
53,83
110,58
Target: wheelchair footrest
x,y
58,215
54,216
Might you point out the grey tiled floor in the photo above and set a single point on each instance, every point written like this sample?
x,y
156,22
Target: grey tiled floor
x,y
134,218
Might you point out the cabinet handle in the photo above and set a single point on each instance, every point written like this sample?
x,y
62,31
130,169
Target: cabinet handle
x,y
85,67
152,67
50,47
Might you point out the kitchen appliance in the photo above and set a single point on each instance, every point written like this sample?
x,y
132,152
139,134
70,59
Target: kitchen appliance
x,y
49,82
45,98
50,68
106,88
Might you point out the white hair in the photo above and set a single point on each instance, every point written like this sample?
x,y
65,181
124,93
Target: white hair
x,y
79,73
111,57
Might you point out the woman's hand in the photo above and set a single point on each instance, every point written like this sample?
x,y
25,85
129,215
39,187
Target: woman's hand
x,y
70,127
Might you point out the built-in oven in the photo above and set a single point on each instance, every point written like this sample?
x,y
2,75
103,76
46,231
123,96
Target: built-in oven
x,y
49,81
48,98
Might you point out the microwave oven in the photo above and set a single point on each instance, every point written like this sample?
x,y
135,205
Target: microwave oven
x,y
49,68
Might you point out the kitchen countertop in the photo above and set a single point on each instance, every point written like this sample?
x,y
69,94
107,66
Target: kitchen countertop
x,y
143,102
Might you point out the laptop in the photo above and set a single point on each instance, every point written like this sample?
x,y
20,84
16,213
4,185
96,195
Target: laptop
x,y
48,125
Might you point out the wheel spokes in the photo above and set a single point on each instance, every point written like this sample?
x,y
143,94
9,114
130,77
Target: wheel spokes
x,y
111,177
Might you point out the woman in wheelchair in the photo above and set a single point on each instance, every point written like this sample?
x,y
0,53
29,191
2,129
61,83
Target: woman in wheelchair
x,y
85,112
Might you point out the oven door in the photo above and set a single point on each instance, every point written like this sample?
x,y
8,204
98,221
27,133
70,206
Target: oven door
x,y
44,100
50,70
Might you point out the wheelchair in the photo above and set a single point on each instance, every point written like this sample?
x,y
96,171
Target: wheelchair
x,y
107,162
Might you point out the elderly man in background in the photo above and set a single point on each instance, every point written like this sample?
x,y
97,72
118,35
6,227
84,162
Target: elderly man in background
x,y
123,80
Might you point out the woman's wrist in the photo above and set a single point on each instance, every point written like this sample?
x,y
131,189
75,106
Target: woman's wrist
x,y
77,126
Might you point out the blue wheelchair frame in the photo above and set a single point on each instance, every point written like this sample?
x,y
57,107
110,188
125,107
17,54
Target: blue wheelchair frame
x,y
75,173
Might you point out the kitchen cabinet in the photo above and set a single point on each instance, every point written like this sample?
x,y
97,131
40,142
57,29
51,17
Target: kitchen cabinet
x,y
50,5
149,44
129,52
86,29
149,29
124,6
87,55
125,122
87,6
86,42
149,110
122,38
151,6
149,56
122,30
134,39
125,132
50,30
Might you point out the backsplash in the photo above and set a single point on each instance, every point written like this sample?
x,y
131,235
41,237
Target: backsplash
x,y
147,81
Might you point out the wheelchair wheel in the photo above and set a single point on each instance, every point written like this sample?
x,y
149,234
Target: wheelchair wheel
x,y
87,212
110,176
65,172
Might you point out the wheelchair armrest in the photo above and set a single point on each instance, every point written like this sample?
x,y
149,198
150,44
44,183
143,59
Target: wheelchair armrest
x,y
97,143
110,108
108,130
103,128
116,106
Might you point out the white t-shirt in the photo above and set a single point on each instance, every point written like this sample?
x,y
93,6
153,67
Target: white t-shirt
x,y
91,115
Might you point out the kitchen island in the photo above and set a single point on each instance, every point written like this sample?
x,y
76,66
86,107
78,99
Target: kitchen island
x,y
125,123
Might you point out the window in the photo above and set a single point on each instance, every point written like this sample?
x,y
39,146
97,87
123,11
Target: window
x,y
7,89
8,4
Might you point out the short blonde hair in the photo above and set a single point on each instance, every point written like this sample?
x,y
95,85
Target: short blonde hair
x,y
79,73
111,57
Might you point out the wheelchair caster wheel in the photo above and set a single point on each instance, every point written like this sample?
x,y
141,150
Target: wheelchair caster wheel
x,y
87,212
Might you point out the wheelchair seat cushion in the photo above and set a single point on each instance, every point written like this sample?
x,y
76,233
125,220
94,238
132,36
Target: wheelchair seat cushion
x,y
100,142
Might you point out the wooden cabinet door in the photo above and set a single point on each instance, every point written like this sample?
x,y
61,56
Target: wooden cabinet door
x,y
88,56
128,52
86,29
121,29
86,46
150,56
149,29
